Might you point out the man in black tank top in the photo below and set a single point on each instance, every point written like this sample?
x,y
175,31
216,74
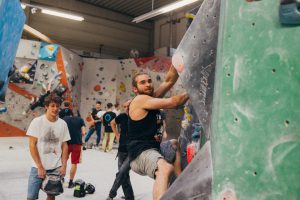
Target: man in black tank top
x,y
143,126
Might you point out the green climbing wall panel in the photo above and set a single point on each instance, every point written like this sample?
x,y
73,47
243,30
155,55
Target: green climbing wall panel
x,y
256,106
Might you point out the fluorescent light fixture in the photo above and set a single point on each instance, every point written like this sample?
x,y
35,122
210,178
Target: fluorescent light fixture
x,y
61,14
23,6
162,10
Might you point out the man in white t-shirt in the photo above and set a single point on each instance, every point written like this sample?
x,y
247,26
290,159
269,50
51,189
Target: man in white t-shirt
x,y
48,136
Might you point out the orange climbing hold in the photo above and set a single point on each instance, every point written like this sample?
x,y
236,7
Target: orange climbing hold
x,y
97,88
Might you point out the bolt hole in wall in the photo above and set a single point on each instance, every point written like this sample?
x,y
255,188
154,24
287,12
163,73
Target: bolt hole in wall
x,y
287,122
254,173
273,70
236,119
253,24
228,75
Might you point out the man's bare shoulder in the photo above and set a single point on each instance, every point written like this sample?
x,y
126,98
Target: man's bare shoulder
x,y
141,97
139,101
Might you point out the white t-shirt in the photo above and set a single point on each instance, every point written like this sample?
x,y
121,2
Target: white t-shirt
x,y
117,112
101,113
50,137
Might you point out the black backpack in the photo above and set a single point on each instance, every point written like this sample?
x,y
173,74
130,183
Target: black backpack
x,y
79,189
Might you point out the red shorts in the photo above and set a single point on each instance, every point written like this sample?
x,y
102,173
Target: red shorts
x,y
75,151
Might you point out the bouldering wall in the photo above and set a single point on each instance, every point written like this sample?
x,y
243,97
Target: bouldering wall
x,y
256,113
38,67
73,65
127,68
195,61
12,20
254,141
98,83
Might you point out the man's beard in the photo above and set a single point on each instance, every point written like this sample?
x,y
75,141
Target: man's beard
x,y
147,92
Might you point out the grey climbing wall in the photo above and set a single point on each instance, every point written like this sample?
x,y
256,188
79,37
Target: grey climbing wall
x,y
195,61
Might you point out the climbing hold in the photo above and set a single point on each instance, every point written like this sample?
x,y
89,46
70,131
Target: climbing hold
x,y
97,88
122,87
132,94
289,12
158,78
45,73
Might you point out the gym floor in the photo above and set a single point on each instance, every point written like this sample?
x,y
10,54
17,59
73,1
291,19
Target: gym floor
x,y
98,168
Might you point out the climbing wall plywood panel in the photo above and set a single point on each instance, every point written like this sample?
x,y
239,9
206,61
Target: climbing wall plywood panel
x,y
28,49
73,66
12,19
256,117
98,83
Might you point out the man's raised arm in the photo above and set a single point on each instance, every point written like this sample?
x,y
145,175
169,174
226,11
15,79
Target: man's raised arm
x,y
165,86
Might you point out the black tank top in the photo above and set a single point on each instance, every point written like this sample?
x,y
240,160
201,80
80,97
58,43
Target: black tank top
x,y
141,134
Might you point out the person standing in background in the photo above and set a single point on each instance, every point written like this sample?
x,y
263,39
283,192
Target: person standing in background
x,y
76,128
109,136
122,177
94,124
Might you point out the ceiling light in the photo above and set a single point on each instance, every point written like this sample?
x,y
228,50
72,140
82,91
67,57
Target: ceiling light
x,y
162,10
61,14
23,6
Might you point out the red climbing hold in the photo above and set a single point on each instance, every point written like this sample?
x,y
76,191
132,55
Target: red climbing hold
x,y
97,88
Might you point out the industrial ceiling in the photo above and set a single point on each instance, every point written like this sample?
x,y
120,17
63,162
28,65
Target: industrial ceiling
x,y
131,8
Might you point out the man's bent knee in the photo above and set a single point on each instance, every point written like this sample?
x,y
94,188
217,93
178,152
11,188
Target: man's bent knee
x,y
174,144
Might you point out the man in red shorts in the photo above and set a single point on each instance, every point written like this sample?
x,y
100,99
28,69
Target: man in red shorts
x,y
76,128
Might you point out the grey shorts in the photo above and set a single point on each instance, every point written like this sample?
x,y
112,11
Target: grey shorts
x,y
168,151
146,163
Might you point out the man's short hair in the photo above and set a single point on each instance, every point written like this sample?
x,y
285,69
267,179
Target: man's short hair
x,y
98,102
53,98
109,105
134,82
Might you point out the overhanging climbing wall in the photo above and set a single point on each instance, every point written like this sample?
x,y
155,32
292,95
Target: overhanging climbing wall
x,y
195,61
12,19
36,66
256,110
254,126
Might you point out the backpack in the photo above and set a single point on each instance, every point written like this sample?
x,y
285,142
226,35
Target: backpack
x,y
79,189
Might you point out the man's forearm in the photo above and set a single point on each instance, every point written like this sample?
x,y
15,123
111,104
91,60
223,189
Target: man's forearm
x,y
180,99
113,125
35,154
36,157
172,76
168,83
64,154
